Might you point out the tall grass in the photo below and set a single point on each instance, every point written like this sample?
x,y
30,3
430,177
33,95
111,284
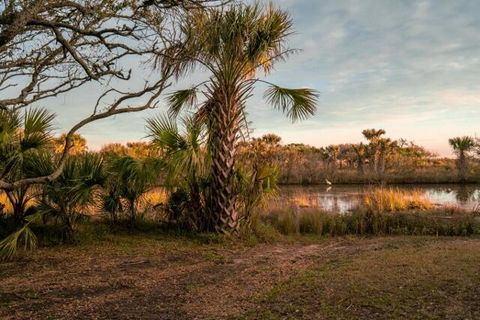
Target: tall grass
x,y
392,200
364,222
382,211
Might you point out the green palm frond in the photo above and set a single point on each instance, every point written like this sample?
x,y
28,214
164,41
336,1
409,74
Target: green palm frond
x,y
181,99
135,175
297,104
38,121
165,134
462,144
184,152
10,123
24,237
75,188
37,164
38,124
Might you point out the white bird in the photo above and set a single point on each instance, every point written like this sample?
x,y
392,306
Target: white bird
x,y
328,182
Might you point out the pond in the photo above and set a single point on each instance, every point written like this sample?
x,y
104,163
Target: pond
x,y
342,198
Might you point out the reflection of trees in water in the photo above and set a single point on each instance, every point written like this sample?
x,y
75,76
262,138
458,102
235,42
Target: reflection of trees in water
x,y
343,198
465,193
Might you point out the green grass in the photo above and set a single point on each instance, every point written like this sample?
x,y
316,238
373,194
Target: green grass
x,y
414,278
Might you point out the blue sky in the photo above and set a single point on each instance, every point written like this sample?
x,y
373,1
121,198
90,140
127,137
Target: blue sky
x,y
409,67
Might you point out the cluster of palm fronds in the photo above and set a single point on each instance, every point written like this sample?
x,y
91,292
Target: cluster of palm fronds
x,y
27,149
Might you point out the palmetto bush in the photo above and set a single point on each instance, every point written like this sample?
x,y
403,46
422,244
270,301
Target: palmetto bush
x,y
23,137
60,202
128,180
186,165
65,200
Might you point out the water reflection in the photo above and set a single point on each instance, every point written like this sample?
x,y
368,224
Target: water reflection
x,y
342,198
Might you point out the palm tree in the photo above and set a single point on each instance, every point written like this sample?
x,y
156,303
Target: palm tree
x,y
462,146
235,43
64,199
374,136
360,154
385,148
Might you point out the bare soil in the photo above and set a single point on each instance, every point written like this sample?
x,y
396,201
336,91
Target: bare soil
x,y
149,278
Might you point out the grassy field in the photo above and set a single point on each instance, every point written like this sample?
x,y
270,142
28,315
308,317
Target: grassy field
x,y
159,276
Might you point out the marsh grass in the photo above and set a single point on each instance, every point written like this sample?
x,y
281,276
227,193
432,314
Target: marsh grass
x,y
392,200
365,222
382,211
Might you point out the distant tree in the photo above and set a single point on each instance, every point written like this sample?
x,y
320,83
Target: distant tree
x,y
79,144
374,136
140,150
360,156
462,146
272,138
114,149
385,147
333,151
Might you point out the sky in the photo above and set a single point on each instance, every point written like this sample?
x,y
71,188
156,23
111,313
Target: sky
x,y
410,67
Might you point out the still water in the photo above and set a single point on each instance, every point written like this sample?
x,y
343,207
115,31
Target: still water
x,y
342,198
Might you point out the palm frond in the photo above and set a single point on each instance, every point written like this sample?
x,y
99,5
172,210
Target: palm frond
x,y
38,121
181,99
37,164
461,144
183,151
10,122
38,124
297,104
23,237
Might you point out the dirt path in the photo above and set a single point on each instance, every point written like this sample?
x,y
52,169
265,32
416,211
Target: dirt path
x,y
196,283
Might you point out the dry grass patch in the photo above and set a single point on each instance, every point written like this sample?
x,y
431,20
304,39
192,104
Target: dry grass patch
x,y
391,200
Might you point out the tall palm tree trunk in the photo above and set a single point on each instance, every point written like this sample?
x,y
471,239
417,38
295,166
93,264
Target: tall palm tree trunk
x,y
223,141
462,167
